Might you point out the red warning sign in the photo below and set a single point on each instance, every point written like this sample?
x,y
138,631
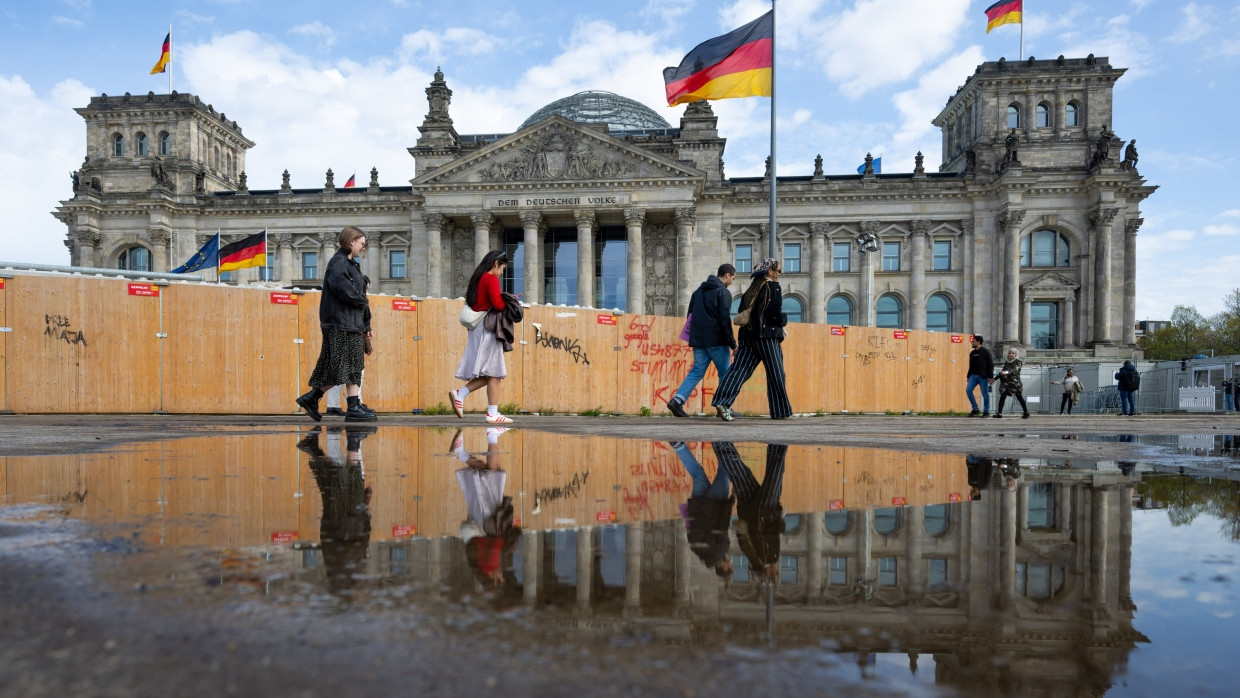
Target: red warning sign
x,y
144,290
900,334
283,299
957,339
835,504
837,331
404,530
897,501
283,537
406,306
605,516
606,319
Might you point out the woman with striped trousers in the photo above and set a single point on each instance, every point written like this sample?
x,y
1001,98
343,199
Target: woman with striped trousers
x,y
759,340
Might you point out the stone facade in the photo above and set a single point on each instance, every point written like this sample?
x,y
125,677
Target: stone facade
x,y
1025,235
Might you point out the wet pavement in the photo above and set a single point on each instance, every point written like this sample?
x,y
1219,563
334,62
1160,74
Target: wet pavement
x,y
266,557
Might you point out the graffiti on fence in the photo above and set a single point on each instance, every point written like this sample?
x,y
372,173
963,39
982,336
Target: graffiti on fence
x,y
58,327
572,488
571,346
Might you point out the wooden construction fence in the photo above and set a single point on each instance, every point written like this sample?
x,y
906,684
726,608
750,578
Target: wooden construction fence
x,y
75,344
251,490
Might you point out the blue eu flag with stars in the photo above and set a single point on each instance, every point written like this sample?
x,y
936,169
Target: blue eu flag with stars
x,y
208,256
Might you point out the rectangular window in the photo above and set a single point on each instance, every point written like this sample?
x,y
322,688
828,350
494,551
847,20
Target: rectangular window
x,y
611,276
226,276
788,565
792,258
744,259
840,254
1041,506
309,265
942,255
937,572
838,572
891,256
560,266
887,572
268,272
396,264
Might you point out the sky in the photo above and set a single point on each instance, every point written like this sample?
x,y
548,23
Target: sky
x,y
342,85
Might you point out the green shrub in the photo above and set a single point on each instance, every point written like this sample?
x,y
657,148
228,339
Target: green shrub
x,y
548,411
509,408
593,412
439,408
644,411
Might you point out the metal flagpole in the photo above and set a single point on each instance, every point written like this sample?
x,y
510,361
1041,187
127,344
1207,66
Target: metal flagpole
x,y
219,242
169,58
1022,31
771,223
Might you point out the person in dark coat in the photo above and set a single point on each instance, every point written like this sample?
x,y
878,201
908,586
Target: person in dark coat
x,y
760,516
1129,381
710,333
344,531
343,313
759,340
981,368
708,512
1010,383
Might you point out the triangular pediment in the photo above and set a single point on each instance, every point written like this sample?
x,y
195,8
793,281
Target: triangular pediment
x,y
561,151
1051,282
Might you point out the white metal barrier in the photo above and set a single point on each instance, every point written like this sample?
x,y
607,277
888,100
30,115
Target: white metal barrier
x,y
1197,399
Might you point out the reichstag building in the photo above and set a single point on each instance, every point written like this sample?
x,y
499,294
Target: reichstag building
x,y
1026,234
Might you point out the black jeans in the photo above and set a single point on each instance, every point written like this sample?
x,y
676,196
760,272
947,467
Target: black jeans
x,y
1019,398
1066,402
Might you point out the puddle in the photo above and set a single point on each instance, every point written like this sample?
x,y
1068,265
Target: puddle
x,y
890,571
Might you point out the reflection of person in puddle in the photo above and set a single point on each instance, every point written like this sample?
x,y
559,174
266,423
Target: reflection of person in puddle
x,y
760,517
981,472
1010,468
708,512
344,531
489,532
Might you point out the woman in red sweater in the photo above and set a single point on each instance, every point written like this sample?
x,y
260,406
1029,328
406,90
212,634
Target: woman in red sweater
x,y
483,362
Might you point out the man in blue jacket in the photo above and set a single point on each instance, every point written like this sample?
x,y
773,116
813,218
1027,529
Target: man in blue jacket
x,y
710,333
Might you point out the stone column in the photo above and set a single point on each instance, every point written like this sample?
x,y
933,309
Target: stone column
x,y
634,219
330,241
531,560
1066,323
372,260
686,219
865,317
1130,280
1026,329
1007,548
585,257
819,263
814,544
434,253
913,551
531,225
1101,220
968,244
633,570
88,241
1009,222
286,267
585,568
865,549
482,235
1099,548
917,280
159,241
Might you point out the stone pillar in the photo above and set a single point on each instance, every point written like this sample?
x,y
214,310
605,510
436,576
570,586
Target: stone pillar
x,y
531,225
1009,222
1026,329
1007,548
865,316
686,219
482,235
531,543
585,568
819,264
633,570
1085,266
88,242
434,253
1130,280
634,219
1099,549
159,242
968,243
330,241
372,260
585,257
814,545
917,280
1101,220
865,549
286,264
912,551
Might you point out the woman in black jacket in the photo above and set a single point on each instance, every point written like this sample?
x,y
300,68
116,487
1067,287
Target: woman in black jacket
x,y
343,317
759,340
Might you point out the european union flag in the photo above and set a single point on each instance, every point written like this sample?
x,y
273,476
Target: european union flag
x,y
208,256
878,166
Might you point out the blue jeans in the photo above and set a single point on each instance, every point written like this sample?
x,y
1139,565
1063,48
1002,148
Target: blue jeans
x,y
702,358
1128,402
975,381
702,486
1229,400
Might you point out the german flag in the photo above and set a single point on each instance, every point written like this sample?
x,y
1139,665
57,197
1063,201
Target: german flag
x,y
1003,12
164,56
352,181
250,252
737,64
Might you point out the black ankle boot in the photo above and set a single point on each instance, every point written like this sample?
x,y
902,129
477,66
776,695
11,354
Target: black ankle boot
x,y
357,414
310,403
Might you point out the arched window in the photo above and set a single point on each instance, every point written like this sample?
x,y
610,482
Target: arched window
x,y
118,145
792,523
1013,116
838,522
165,144
939,313
887,521
839,311
889,312
1045,248
1072,115
794,309
937,519
135,258
141,143
1044,115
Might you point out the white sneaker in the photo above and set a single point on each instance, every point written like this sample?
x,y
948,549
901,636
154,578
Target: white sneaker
x,y
498,419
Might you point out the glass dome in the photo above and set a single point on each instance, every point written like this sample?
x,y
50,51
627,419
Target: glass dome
x,y
595,107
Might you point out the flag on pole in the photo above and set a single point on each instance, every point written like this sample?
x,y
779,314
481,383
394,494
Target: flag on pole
x,y
352,181
208,256
878,166
166,55
248,252
1003,12
737,64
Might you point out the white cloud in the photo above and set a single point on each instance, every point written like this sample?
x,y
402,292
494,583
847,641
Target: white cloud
x,y
63,21
1226,230
1194,26
325,34
435,46
1142,4
1118,42
667,11
921,104
1230,213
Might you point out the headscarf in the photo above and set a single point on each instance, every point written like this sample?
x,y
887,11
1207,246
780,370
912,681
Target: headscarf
x,y
763,267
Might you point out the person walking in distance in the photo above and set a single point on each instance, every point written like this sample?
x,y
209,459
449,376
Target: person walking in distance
x,y
1228,395
336,391
710,333
343,310
1010,384
482,364
1071,389
1129,381
981,368
759,340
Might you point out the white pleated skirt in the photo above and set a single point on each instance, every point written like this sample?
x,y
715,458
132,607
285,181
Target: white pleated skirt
x,y
484,356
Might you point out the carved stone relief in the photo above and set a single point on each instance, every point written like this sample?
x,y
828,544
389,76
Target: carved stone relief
x,y
659,258
462,256
557,154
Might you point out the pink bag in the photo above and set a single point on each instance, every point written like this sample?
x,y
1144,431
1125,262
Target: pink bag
x,y
684,331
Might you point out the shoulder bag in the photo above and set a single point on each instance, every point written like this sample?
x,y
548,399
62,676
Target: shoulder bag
x,y
684,331
470,317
